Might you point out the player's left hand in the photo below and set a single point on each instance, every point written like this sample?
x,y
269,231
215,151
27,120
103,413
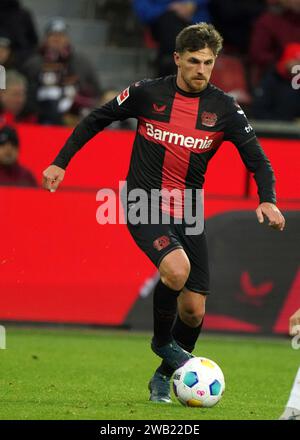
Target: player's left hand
x,y
276,219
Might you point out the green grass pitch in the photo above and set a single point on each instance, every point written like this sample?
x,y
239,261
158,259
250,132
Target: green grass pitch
x,y
103,375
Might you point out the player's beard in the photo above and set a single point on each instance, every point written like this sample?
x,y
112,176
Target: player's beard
x,y
196,86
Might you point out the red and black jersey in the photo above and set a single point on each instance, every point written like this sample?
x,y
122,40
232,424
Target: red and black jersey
x,y
177,135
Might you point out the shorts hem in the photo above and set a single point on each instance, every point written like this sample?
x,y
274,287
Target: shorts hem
x,y
200,291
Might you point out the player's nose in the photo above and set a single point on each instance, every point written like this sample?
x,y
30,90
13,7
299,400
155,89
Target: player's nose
x,y
200,69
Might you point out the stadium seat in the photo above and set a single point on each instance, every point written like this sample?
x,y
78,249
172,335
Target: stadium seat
x,y
77,9
229,74
82,31
149,41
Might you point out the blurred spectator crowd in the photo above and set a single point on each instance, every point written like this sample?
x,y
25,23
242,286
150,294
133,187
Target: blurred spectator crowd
x,y
261,48
48,81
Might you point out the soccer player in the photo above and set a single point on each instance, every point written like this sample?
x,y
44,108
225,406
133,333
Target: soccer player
x,y
182,122
292,409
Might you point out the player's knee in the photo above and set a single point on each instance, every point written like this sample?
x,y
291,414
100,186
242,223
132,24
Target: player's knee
x,y
175,269
176,278
192,318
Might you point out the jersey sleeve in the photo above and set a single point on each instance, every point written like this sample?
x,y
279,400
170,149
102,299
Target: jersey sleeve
x,y
237,128
123,106
241,134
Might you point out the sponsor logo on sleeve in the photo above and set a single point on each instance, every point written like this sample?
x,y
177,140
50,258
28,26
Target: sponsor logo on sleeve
x,y
123,96
248,129
240,111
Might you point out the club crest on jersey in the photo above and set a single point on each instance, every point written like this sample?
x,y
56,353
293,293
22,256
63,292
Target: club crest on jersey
x,y
123,96
209,119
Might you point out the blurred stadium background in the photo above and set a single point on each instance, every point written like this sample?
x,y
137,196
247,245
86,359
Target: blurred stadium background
x,y
57,264
60,268
53,250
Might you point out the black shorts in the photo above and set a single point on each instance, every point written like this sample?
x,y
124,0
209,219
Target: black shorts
x,y
157,240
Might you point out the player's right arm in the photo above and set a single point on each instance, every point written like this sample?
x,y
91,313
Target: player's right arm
x,y
240,132
294,322
122,107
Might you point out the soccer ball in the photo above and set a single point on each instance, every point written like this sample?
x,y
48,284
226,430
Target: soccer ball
x,y
199,383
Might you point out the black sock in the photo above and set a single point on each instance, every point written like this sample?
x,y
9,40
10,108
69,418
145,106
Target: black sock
x,y
164,312
186,337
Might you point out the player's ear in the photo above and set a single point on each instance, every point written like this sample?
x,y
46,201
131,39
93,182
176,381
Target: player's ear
x,y
176,58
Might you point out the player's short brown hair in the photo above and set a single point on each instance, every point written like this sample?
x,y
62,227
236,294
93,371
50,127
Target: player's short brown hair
x,y
199,36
